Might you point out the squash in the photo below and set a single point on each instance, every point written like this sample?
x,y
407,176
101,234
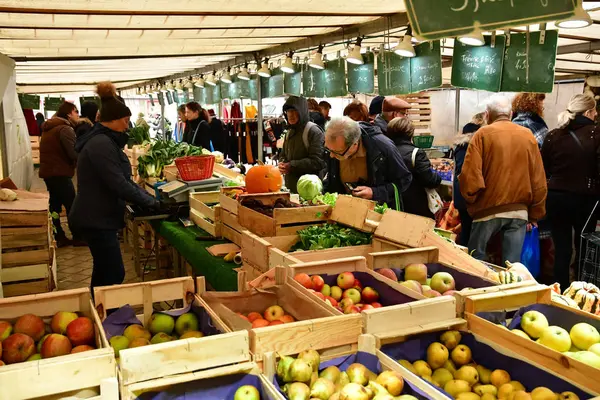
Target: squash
x,y
586,295
263,179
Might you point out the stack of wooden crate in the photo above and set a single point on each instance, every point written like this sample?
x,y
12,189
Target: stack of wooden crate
x,y
28,262
217,213
133,154
35,149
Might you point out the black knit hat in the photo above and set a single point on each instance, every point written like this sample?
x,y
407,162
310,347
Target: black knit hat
x,y
112,108
376,105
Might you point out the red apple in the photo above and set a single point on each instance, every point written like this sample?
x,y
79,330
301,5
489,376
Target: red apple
x,y
449,293
376,305
254,316
336,293
416,272
345,280
277,322
431,293
274,313
82,348
369,295
367,307
346,302
351,310
320,295
413,285
352,294
326,290
5,330
286,319
442,282
331,300
243,316
56,345
80,331
16,348
60,320
357,284
30,325
388,273
2,363
304,280
317,282
339,309
259,323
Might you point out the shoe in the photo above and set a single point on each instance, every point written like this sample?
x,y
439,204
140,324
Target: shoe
x,y
79,243
63,242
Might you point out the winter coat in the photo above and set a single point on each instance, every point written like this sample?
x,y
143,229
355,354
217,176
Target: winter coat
x,y
461,144
503,172
57,149
317,118
217,135
104,182
569,167
384,166
381,123
302,160
415,198
202,137
83,126
534,123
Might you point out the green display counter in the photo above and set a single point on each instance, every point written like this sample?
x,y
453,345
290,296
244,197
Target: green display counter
x,y
219,274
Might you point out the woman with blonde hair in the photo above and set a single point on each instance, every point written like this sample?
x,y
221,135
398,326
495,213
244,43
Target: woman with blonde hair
x,y
401,132
571,155
528,111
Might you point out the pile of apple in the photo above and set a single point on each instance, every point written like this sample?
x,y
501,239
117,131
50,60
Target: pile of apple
x,y
450,366
162,328
274,315
302,381
415,278
348,296
582,342
31,339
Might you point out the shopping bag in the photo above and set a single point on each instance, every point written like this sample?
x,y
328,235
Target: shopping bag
x,y
530,255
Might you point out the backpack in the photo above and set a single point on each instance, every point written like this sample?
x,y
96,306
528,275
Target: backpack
x,y
309,124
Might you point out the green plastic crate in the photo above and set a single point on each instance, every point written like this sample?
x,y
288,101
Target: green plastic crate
x,y
423,142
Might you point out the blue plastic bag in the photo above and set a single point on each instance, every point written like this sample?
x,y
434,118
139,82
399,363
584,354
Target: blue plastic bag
x,y
530,255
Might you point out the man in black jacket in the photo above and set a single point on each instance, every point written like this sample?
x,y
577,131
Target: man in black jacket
x,y
366,160
103,186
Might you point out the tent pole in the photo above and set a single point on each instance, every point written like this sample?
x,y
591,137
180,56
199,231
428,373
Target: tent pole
x,y
260,120
457,112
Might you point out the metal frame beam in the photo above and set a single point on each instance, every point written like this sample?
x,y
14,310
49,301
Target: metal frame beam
x,y
589,47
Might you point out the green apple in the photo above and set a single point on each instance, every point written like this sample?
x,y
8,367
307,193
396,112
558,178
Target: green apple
x,y
186,322
442,282
160,337
246,392
442,376
584,335
556,338
534,323
118,343
161,323
595,348
587,357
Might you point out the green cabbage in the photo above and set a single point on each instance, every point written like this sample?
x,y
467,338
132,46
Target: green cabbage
x,y
309,186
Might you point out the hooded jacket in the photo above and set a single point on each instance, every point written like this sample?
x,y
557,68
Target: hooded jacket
x,y
83,126
104,182
461,143
302,160
570,167
415,197
384,167
57,149
381,123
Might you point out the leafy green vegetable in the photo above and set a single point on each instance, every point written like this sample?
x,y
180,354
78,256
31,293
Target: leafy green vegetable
x,y
380,208
162,153
139,135
327,236
327,198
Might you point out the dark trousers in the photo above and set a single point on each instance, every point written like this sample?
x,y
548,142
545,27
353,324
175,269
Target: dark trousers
x,y
62,193
466,222
567,213
513,235
106,252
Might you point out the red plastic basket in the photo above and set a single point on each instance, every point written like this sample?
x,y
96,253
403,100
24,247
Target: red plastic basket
x,y
195,168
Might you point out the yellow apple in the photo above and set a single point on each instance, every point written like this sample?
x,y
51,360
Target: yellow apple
x,y
584,335
484,374
437,355
595,348
461,355
543,393
442,376
456,387
499,377
556,338
520,333
422,368
467,373
534,323
450,339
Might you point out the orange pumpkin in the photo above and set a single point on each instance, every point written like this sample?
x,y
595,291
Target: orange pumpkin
x,y
263,179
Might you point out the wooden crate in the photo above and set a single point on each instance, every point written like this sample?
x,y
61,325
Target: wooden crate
x,y
74,372
35,148
179,359
551,360
348,346
285,221
133,391
430,255
316,327
222,171
204,211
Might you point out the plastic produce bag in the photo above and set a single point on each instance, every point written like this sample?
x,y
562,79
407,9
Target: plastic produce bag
x,y
530,255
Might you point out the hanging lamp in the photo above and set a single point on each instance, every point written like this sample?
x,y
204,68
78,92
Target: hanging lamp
x,y
354,56
288,65
317,59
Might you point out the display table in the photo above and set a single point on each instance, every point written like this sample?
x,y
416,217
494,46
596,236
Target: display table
x,y
219,274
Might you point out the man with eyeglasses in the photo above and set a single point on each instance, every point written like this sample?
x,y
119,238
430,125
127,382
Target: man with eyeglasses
x,y
363,162
393,107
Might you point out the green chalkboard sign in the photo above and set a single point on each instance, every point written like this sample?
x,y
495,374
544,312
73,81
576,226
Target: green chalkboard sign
x,y
253,85
213,94
275,84
224,88
186,95
199,95
93,99
151,100
313,84
176,98
169,97
53,103
529,65
426,67
361,78
334,78
292,83
479,67
435,19
29,102
393,74
161,99
264,87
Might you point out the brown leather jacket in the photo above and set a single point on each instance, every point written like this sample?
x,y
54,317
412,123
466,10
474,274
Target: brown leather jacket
x,y
57,149
503,171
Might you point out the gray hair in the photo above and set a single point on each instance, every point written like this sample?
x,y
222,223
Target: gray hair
x,y
345,127
497,106
579,104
